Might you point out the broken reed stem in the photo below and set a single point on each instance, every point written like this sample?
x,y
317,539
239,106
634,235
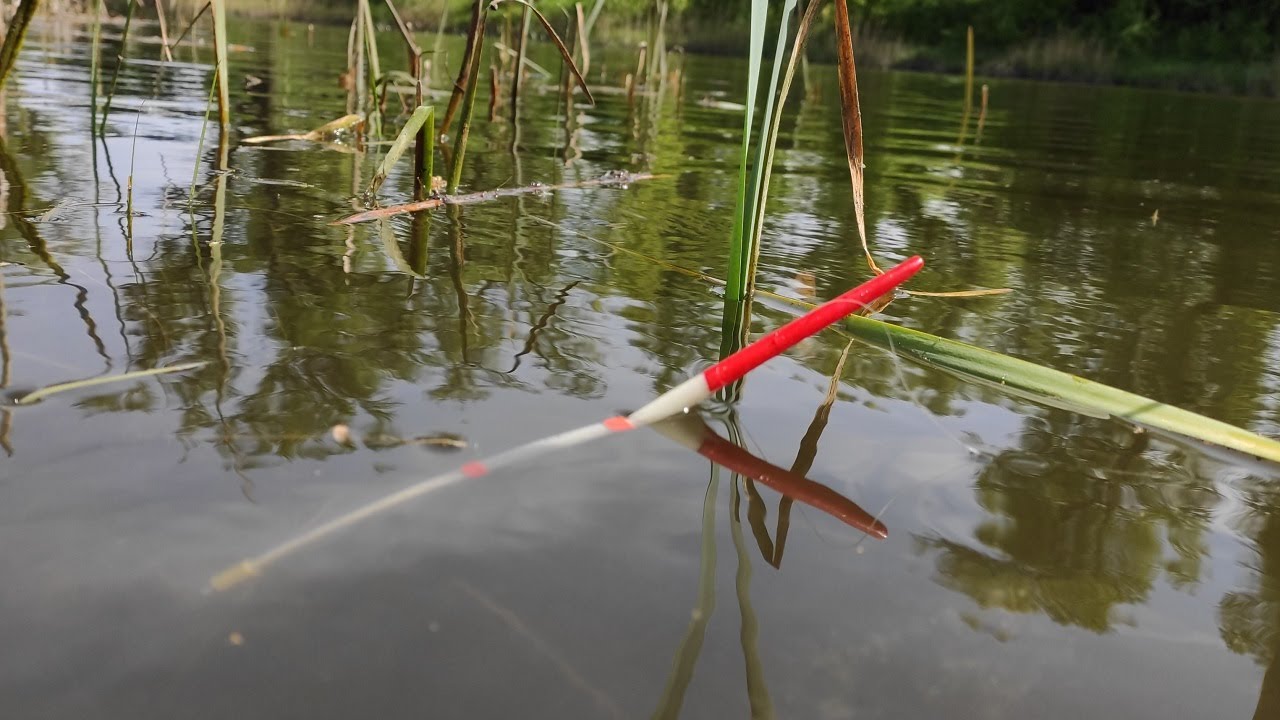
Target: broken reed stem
x,y
133,153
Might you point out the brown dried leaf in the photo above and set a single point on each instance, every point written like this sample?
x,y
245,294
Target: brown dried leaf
x,y
851,120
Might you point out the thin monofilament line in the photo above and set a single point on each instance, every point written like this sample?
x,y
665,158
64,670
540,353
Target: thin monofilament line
x,y
251,567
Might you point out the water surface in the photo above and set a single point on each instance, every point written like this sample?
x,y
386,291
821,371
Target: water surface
x,y
1040,563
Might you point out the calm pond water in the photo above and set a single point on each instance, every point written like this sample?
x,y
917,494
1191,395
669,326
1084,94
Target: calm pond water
x,y
1040,563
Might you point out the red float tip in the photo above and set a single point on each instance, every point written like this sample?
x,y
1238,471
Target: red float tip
x,y
734,367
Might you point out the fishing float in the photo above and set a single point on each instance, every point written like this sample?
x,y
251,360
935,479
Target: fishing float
x,y
676,400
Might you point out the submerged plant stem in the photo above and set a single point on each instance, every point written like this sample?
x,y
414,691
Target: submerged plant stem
x,y
45,392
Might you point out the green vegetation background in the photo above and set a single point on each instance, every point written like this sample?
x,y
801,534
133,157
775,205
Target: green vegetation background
x,y
1201,45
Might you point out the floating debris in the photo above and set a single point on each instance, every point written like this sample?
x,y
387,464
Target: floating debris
x,y
341,434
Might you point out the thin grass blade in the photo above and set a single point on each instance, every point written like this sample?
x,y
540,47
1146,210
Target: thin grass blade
x,y
739,250
420,117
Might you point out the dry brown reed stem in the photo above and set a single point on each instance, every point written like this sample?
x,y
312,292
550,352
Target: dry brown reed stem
x,y
464,69
565,55
493,93
851,122
219,8
583,47
468,108
618,179
165,52
968,70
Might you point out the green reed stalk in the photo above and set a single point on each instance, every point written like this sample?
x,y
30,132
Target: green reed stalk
x,y
16,34
115,77
753,223
468,107
95,68
740,241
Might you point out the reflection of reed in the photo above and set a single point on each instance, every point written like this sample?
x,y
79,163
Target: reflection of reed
x,y
16,208
215,308
806,454
691,646
689,430
749,630
561,298
457,258
749,633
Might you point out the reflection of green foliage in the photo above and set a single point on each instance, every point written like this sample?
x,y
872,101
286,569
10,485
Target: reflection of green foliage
x,y
1074,528
1249,618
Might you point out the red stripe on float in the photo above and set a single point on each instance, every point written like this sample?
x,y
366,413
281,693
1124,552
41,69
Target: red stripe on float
x,y
732,368
474,469
618,423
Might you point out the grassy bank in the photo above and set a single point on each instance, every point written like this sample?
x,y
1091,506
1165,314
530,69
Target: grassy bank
x,y
1064,56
